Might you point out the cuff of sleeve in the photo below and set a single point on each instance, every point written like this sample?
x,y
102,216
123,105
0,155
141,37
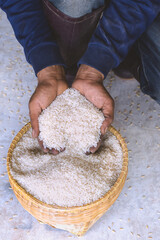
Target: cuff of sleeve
x,y
98,58
44,55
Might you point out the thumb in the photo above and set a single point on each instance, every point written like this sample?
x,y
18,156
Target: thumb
x,y
108,111
108,120
34,112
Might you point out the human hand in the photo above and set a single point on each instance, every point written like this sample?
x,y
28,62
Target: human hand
x,y
51,83
89,82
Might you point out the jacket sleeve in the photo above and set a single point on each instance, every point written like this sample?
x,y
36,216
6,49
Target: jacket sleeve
x,y
122,24
33,32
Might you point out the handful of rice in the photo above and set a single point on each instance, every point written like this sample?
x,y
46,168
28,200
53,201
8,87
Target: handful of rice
x,y
72,122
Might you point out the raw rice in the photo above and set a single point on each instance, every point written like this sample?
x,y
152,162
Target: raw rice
x,y
71,121
71,178
67,179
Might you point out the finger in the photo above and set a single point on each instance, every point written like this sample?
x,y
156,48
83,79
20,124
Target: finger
x,y
88,153
34,112
55,152
45,150
62,149
106,123
108,112
94,149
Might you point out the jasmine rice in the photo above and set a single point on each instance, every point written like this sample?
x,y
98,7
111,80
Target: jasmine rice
x,y
70,178
71,121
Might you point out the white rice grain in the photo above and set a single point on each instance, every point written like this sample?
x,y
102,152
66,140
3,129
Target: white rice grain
x,y
71,121
71,178
67,179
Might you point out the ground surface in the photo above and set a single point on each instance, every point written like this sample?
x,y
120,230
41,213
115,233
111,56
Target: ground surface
x,y
136,213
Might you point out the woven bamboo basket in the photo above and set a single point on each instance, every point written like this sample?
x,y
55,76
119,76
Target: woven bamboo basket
x,y
76,220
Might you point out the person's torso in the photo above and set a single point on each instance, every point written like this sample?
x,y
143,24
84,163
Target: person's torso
x,y
76,8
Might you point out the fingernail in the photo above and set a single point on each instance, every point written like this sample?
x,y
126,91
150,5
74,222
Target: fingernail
x,y
33,133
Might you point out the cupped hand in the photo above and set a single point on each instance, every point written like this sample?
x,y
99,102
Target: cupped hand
x,y
89,82
51,83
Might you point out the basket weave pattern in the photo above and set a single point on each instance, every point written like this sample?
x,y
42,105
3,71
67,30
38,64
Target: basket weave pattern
x,y
76,220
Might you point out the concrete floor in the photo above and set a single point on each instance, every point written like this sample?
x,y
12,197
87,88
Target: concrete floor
x,y
136,213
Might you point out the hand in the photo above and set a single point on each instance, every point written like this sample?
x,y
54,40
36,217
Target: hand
x,y
51,83
89,82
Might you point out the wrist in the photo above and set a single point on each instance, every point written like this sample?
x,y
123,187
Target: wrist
x,y
51,73
90,73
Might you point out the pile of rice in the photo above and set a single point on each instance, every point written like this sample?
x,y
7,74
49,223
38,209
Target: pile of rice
x,y
70,178
71,121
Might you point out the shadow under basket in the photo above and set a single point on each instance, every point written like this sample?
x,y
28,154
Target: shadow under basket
x,y
76,220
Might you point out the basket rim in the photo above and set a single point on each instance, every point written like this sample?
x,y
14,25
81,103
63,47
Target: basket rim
x,y
107,195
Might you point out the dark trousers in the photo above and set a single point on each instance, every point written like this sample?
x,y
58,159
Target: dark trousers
x,y
149,52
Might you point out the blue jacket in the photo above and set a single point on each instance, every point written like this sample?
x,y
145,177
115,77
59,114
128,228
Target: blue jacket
x,y
122,23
